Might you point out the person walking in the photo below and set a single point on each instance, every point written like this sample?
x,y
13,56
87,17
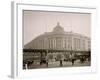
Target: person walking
x,y
61,63
72,59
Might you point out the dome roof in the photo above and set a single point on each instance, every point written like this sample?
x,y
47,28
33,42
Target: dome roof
x,y
58,32
58,29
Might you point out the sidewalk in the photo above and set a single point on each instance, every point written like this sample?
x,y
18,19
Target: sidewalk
x,y
57,64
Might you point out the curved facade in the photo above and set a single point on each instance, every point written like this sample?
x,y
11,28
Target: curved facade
x,y
59,39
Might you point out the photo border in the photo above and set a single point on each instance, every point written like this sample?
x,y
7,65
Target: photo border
x,y
17,34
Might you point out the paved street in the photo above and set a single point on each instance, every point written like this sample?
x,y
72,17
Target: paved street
x,y
68,64
57,64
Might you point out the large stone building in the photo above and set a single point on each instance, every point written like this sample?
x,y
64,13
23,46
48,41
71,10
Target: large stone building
x,y
59,39
54,46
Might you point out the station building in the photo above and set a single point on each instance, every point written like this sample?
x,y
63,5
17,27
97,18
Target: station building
x,y
57,42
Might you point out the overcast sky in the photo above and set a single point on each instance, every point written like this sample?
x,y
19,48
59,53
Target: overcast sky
x,y
38,22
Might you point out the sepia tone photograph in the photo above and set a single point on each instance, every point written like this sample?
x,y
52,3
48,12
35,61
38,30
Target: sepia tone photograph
x,y
56,39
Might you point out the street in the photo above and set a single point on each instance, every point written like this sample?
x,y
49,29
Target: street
x,y
54,64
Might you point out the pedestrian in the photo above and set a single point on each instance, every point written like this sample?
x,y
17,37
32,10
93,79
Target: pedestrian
x,y
47,62
26,66
73,61
61,63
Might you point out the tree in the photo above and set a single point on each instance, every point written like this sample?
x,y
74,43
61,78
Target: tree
x,y
50,56
66,57
59,57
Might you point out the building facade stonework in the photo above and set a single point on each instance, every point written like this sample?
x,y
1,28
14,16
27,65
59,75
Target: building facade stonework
x,y
57,48
59,39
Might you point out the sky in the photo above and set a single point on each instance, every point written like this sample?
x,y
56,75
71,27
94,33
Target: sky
x,y
36,23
